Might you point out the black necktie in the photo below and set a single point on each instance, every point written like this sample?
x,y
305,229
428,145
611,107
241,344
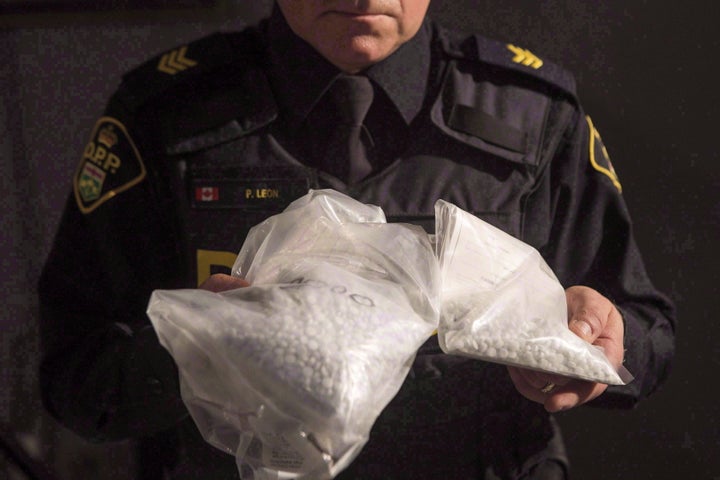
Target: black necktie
x,y
349,144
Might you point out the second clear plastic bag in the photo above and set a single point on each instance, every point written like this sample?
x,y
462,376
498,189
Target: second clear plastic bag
x,y
502,303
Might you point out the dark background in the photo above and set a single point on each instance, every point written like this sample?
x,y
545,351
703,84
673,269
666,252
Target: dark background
x,y
644,74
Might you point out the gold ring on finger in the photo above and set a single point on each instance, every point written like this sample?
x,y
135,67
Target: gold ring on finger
x,y
549,387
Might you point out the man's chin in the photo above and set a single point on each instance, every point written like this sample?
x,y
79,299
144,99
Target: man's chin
x,y
360,53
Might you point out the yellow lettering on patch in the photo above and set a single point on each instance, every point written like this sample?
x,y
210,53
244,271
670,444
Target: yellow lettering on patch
x,y
267,193
112,163
100,157
89,152
100,154
206,259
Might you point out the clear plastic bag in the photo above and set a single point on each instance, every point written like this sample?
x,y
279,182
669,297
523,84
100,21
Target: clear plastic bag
x,y
290,374
502,303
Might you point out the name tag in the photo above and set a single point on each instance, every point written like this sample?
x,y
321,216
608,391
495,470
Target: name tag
x,y
250,189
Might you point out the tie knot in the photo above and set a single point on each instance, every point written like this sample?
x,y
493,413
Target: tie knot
x,y
351,95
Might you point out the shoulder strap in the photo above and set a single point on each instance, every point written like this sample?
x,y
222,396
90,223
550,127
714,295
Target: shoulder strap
x,y
508,56
189,63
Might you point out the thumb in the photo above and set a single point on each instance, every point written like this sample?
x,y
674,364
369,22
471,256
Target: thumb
x,y
581,326
586,312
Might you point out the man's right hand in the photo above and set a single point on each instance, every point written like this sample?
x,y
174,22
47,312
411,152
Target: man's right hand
x,y
221,282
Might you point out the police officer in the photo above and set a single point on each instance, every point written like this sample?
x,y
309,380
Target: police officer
x,y
204,141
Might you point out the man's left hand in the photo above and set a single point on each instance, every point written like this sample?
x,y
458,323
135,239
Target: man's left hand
x,y
596,320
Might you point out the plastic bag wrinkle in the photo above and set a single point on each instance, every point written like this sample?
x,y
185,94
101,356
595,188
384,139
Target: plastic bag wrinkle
x,y
302,362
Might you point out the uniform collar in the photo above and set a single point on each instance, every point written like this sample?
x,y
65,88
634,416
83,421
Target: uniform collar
x,y
404,75
300,75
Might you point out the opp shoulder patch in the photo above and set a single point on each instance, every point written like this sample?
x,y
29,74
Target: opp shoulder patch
x,y
110,164
599,157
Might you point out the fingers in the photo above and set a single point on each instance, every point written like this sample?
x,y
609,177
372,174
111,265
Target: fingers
x,y
221,282
554,392
596,320
538,380
575,393
531,383
527,388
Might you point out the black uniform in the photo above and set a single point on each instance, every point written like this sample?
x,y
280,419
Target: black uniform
x,y
203,142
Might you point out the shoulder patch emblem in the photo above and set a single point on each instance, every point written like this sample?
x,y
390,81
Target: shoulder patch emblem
x,y
110,164
599,157
525,57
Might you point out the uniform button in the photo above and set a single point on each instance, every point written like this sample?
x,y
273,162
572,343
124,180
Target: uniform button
x,y
154,385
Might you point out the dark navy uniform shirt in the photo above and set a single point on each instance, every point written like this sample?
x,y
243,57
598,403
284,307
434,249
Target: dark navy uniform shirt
x,y
204,141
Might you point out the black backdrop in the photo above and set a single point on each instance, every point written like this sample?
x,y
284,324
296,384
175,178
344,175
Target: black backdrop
x,y
644,74
643,71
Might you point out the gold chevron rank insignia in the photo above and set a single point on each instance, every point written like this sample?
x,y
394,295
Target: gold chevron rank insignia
x,y
175,61
525,57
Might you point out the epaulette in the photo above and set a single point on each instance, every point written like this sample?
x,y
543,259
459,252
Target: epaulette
x,y
509,56
187,63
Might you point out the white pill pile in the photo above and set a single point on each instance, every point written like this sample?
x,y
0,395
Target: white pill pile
x,y
502,303
324,343
529,342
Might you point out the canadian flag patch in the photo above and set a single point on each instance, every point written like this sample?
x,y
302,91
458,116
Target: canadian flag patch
x,y
207,194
